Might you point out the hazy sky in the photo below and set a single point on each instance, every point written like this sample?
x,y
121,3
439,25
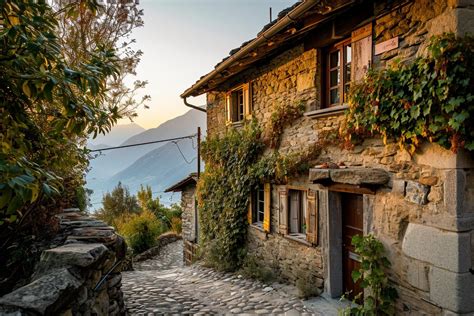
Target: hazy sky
x,y
183,40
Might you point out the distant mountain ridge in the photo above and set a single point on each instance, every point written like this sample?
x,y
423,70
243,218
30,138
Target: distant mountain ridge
x,y
117,135
158,165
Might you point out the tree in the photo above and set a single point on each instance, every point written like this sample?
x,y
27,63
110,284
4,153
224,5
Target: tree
x,y
110,26
118,204
48,106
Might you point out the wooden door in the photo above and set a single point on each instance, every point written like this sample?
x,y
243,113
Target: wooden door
x,y
352,224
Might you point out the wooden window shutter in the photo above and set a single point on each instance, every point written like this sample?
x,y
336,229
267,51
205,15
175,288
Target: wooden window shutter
x,y
250,210
283,211
361,52
312,213
247,89
228,108
267,206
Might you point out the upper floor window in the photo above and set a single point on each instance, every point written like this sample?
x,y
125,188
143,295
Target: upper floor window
x,y
238,104
338,73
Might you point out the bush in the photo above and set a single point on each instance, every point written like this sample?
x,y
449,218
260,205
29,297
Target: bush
x,y
252,268
141,231
176,225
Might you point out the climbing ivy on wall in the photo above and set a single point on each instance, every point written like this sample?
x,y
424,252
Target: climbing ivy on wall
x,y
431,98
235,164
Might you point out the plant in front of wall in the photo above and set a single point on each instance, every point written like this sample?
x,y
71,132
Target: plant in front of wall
x,y
431,98
282,116
236,164
380,296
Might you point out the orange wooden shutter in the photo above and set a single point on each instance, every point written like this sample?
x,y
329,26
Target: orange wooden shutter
x,y
249,210
361,52
247,88
267,206
228,109
312,213
283,211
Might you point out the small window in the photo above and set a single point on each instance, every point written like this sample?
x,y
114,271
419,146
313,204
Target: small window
x,y
338,73
258,209
297,212
238,106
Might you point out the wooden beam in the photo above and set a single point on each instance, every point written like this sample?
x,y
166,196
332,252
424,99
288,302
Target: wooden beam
x,y
348,188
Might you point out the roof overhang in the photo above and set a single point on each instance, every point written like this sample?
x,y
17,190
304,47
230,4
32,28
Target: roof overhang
x,y
178,187
300,18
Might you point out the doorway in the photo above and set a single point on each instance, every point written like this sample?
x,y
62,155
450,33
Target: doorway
x,y
352,225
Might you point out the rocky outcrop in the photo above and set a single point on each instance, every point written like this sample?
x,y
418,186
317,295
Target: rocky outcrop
x,y
78,278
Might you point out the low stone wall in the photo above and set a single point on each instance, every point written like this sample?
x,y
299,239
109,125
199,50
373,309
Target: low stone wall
x,y
77,278
163,240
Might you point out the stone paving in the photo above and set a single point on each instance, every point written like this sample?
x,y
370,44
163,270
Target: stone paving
x,y
163,286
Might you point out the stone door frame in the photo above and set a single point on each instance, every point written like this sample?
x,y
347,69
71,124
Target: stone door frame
x,y
331,214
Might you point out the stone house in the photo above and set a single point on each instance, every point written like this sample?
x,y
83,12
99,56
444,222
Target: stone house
x,y
189,217
420,206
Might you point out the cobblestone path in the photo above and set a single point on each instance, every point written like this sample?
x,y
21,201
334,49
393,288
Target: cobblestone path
x,y
163,286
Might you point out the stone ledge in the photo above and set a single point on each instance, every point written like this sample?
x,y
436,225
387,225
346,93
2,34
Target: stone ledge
x,y
46,295
80,255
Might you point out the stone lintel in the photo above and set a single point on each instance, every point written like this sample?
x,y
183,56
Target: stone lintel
x,y
354,176
447,250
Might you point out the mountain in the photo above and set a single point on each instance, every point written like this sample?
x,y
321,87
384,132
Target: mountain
x,y
158,165
117,135
110,162
160,168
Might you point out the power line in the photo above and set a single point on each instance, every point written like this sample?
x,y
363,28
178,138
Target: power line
x,y
146,143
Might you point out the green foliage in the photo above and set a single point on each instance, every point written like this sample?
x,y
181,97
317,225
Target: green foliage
x,y
140,220
116,204
381,300
430,99
253,268
283,115
235,165
141,230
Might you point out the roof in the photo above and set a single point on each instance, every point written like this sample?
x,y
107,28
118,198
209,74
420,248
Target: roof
x,y
291,23
178,187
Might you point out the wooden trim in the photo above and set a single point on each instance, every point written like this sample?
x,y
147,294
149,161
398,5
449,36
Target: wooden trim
x,y
296,187
250,210
266,207
361,32
349,188
338,47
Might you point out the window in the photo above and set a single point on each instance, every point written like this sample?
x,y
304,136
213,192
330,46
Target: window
x,y
297,212
259,207
338,73
238,106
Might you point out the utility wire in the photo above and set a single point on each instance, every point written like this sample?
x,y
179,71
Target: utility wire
x,y
182,155
146,143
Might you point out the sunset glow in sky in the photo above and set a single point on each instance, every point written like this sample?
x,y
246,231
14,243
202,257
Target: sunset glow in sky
x,y
183,40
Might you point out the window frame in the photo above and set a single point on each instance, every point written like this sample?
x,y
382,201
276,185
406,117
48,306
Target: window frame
x,y
342,73
238,104
258,205
303,199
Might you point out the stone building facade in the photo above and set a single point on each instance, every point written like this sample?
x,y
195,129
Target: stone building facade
x,y
189,219
420,206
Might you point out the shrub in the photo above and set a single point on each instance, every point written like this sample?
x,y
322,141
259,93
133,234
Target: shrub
x,y
141,231
251,268
176,225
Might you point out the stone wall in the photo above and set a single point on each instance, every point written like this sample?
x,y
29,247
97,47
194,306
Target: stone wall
x,y
80,277
188,206
424,215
